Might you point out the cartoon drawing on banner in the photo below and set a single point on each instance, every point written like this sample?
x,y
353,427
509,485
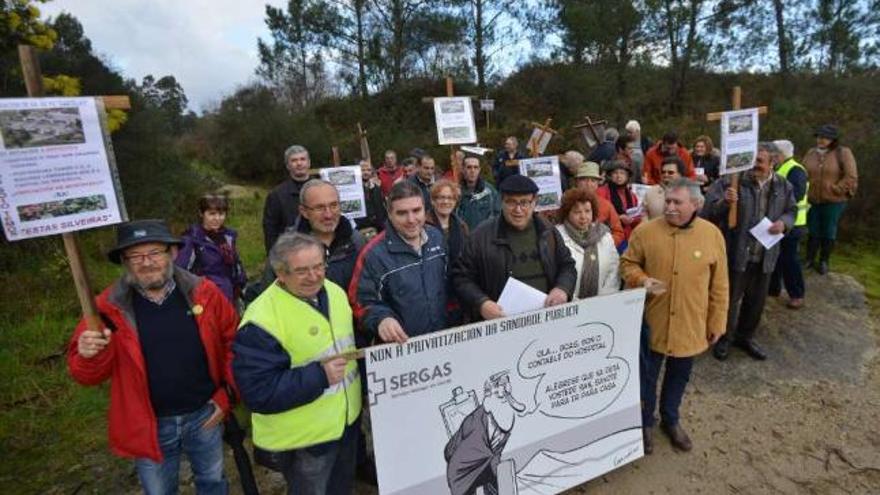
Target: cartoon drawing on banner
x,y
479,431
474,451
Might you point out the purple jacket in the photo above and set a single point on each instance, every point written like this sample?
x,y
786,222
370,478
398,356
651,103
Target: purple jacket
x,y
201,256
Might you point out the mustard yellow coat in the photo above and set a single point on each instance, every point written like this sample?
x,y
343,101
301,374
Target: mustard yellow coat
x,y
692,261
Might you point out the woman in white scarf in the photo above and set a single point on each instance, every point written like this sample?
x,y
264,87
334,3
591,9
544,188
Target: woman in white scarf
x,y
590,244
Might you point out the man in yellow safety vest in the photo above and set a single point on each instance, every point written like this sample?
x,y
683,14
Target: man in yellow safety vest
x,y
788,266
289,354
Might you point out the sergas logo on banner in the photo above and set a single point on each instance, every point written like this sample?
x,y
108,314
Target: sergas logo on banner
x,y
421,377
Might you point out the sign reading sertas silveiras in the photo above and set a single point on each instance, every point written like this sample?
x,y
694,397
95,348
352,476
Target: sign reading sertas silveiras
x,y
57,171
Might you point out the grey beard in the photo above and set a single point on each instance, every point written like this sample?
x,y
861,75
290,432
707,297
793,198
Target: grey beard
x,y
132,280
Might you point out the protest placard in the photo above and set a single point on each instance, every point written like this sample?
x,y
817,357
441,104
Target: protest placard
x,y
57,171
545,172
739,140
550,397
455,120
350,185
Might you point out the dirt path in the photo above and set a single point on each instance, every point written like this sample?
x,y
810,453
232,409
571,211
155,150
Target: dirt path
x,y
805,421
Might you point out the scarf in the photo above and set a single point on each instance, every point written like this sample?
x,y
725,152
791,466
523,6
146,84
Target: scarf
x,y
619,205
218,237
588,240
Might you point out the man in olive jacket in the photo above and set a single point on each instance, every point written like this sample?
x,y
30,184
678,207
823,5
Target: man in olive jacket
x,y
518,244
681,260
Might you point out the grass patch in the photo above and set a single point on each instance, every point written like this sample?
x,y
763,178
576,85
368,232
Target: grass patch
x,y
861,260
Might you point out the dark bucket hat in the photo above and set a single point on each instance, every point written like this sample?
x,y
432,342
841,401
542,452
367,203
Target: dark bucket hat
x,y
827,131
139,232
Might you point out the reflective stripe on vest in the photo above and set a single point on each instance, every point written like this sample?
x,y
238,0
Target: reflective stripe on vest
x,y
307,337
803,205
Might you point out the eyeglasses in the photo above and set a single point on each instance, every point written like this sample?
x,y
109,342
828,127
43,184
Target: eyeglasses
x,y
331,207
444,198
521,204
140,259
305,271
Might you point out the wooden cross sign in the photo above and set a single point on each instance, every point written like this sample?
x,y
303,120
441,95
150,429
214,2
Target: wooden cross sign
x,y
541,136
593,131
45,125
736,103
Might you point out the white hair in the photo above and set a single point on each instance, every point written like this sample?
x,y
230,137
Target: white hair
x,y
786,148
633,126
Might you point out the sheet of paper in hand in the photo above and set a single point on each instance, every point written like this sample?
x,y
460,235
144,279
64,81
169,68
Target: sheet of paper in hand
x,y
761,232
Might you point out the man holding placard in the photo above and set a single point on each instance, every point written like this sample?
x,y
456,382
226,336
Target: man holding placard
x,y
516,244
167,348
766,210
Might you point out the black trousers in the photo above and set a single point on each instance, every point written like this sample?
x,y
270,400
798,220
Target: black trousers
x,y
748,293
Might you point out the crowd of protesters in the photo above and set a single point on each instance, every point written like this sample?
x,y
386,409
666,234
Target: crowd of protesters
x,y
435,250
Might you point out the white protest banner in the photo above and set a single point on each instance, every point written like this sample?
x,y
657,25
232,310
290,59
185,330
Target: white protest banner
x,y
349,182
544,171
739,140
455,120
530,404
487,105
57,170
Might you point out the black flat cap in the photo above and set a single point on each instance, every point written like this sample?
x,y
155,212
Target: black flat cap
x,y
140,232
827,131
518,184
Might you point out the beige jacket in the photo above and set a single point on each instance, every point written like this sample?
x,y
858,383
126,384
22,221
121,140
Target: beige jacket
x,y
692,262
831,180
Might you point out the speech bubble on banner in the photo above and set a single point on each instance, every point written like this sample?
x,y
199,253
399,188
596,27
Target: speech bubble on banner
x,y
577,375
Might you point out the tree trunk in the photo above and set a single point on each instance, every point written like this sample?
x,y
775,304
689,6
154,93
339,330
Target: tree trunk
x,y
361,57
397,42
622,64
782,40
673,55
479,57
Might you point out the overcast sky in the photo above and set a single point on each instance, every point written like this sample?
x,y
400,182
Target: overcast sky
x,y
210,46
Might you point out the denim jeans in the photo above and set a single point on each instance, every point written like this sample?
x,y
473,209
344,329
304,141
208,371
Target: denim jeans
x,y
675,380
204,448
325,469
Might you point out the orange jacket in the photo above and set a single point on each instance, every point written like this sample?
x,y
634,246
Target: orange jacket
x,y
609,217
654,160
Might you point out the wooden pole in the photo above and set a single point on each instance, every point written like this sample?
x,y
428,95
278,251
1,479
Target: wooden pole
x,y
33,80
365,145
736,104
452,149
335,154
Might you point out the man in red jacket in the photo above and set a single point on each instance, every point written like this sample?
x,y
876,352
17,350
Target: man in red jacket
x,y
167,348
668,146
